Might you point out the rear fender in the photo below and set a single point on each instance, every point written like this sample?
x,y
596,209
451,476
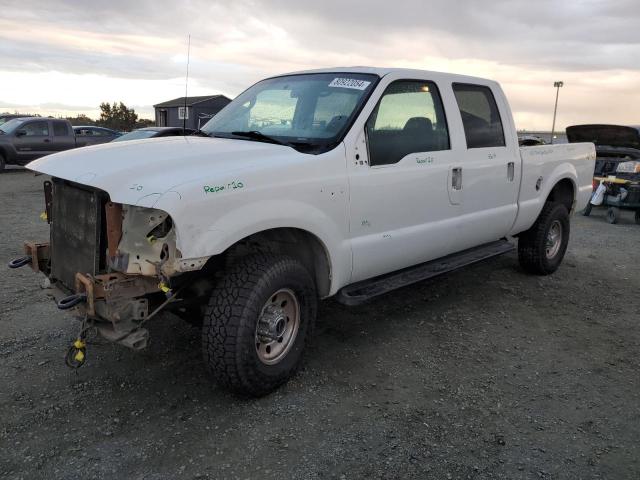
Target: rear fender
x,y
529,209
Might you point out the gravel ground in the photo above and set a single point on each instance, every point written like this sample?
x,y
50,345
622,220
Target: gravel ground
x,y
483,373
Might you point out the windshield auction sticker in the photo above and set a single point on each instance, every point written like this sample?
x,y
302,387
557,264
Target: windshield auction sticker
x,y
349,83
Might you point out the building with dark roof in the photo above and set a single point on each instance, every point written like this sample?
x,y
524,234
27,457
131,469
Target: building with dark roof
x,y
198,111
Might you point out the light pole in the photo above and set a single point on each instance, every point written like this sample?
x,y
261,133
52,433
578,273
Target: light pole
x,y
555,109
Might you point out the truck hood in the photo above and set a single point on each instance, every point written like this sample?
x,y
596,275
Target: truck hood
x,y
133,171
605,135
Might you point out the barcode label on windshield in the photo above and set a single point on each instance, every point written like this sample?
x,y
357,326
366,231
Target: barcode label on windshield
x,y
349,83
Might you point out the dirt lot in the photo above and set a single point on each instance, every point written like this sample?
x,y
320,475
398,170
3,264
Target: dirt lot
x,y
485,373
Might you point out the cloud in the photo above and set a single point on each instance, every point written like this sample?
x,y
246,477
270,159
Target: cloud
x,y
122,46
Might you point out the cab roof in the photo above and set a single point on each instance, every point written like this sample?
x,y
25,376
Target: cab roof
x,y
401,72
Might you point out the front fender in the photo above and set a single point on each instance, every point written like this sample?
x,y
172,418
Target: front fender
x,y
197,241
290,190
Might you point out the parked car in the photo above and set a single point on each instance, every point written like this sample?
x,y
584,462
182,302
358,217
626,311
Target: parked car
x,y
337,182
153,132
92,135
617,167
615,144
27,138
4,118
530,141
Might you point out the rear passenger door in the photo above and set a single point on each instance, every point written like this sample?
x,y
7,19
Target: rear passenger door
x,y
484,180
398,167
63,136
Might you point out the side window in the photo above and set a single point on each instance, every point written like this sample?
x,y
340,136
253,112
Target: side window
x,y
480,116
36,129
60,129
409,118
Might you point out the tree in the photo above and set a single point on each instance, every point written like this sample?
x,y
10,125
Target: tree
x,y
117,116
145,122
81,119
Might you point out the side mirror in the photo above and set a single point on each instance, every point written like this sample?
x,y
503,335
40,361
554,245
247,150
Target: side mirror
x,y
21,133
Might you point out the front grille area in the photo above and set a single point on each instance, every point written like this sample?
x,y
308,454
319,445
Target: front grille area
x,y
77,231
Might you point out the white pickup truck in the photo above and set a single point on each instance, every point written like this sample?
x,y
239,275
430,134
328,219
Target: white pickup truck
x,y
346,181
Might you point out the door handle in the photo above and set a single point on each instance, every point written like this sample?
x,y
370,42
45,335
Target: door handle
x,y
46,140
456,178
511,168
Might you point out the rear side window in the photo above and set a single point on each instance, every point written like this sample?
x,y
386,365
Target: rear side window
x,y
409,118
60,129
480,116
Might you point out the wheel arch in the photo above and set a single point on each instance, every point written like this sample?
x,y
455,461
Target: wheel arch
x,y
564,192
298,243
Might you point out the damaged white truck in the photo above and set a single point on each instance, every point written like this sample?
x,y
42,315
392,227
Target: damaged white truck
x,y
349,182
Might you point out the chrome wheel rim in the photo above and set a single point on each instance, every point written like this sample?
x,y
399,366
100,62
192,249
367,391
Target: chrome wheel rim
x,y
277,326
554,239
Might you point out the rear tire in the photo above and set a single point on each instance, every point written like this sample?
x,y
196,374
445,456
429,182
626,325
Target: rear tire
x,y
613,215
637,217
542,247
257,292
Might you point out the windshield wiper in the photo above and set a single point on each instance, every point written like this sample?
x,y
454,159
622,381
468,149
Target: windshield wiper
x,y
256,135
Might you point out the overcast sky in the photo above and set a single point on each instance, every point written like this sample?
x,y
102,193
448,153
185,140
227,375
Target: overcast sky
x,y
65,57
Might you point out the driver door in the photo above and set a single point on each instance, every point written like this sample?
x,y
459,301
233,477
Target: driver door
x,y
399,205
35,140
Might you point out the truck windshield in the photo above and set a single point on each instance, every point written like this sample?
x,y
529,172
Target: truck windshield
x,y
309,112
10,126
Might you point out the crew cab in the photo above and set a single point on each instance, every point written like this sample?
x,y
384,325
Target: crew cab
x,y
345,182
24,139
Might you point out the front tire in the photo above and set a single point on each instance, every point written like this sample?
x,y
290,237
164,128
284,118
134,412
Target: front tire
x,y
542,247
257,323
3,163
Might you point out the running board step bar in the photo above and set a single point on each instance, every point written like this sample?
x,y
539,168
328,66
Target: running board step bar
x,y
360,292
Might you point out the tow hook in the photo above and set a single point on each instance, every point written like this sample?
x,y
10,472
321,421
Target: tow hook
x,y
71,301
77,353
20,262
